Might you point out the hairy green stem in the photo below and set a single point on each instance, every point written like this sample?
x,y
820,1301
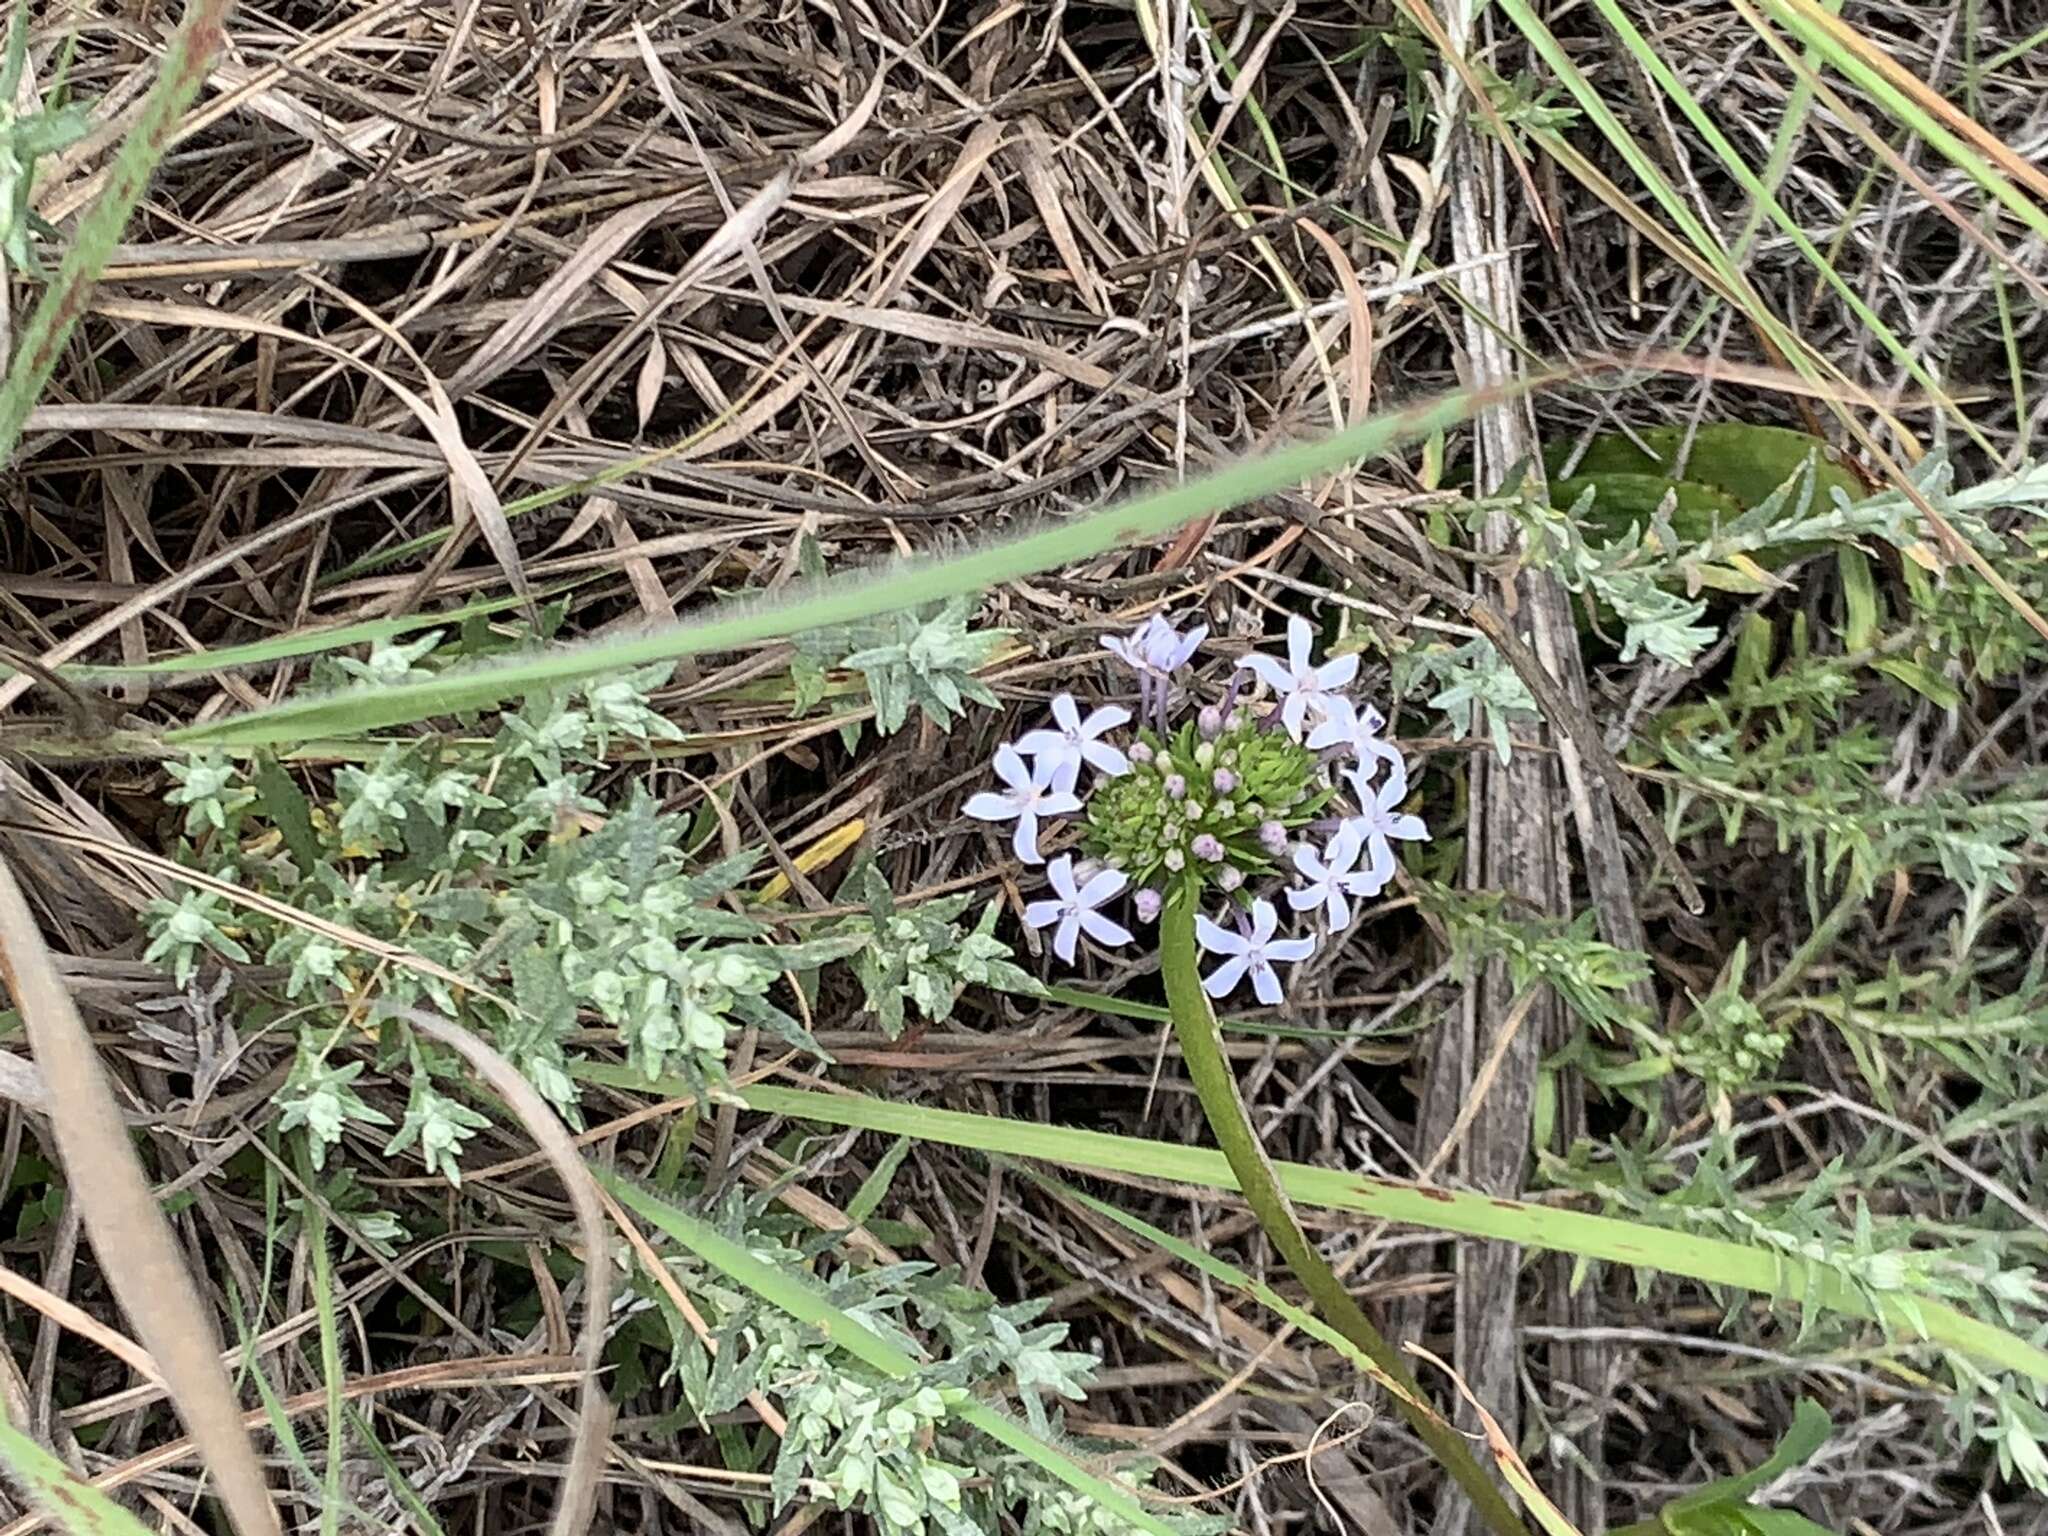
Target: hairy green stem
x,y
1201,1044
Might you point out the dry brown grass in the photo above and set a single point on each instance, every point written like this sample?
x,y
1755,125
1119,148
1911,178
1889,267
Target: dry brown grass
x,y
891,274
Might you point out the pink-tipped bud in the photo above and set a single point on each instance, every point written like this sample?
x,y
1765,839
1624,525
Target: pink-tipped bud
x,y
1139,753
1208,848
1147,904
1224,781
1176,786
1230,877
1209,722
1273,837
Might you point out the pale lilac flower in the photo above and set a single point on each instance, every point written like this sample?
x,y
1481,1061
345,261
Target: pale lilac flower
x,y
1379,826
1357,731
1155,650
1273,836
1254,952
1300,685
1029,798
1146,903
1333,878
1074,908
1156,646
1061,753
1208,848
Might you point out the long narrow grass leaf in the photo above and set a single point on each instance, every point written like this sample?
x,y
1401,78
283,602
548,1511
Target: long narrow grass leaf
x,y
42,338
75,1506
1712,1260
801,1300
848,598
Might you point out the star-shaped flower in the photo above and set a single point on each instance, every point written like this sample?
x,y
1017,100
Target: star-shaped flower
x,y
1029,797
1156,647
1333,878
1357,731
1061,753
1074,907
1379,826
1254,952
1300,685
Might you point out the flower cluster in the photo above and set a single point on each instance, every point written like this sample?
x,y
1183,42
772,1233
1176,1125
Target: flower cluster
x,y
1285,783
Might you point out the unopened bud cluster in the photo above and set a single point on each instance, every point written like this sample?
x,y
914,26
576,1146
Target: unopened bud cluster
x,y
1221,808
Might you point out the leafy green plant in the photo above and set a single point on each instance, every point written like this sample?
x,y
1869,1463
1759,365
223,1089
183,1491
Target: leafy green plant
x,y
516,899
923,657
893,1381
920,956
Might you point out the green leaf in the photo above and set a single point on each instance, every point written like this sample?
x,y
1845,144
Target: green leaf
x,y
801,1299
842,599
1715,1261
287,808
77,1507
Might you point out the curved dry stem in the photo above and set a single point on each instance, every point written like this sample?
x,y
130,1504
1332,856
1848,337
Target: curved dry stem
x,y
593,1425
121,1216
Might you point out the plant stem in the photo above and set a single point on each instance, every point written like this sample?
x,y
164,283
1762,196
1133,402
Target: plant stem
x,y
1201,1044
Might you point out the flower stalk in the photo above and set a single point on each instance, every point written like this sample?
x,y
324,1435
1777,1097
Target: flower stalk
x,y
1201,1044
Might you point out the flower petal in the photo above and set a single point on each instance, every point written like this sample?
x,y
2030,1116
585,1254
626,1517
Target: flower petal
x,y
1310,863
1063,940
1294,712
1266,669
1379,861
989,806
1220,981
1264,921
1292,951
1104,930
1105,718
1025,839
1409,829
1345,848
1067,713
1102,885
1337,911
1267,985
1010,767
1059,874
1305,898
1104,758
1043,914
1061,802
1338,671
1301,636
1041,743
1217,939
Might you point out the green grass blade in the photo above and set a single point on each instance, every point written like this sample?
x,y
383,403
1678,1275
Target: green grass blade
x,y
1909,113
848,598
330,1367
1714,1261
1222,1272
788,1293
41,341
305,642
77,1507
1763,198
